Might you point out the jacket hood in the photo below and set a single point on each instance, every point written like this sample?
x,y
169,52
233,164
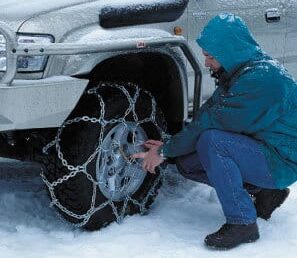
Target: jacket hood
x,y
227,38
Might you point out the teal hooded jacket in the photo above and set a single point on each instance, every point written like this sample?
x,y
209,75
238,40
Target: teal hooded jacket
x,y
261,102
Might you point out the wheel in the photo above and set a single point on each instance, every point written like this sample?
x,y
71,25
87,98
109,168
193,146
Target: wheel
x,y
90,177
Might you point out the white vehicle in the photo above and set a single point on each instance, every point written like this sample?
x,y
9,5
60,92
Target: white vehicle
x,y
85,82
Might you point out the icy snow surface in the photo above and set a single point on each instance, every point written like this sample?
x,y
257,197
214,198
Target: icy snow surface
x,y
182,215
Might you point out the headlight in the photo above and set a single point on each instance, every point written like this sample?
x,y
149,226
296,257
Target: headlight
x,y
26,63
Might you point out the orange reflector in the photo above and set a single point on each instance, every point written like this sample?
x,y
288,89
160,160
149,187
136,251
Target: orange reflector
x,y
178,31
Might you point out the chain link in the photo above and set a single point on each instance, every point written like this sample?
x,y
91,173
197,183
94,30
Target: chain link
x,y
75,170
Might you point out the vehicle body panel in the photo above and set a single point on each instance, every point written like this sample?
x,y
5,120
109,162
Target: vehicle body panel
x,y
39,103
291,37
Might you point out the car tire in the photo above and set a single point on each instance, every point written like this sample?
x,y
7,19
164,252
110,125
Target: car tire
x,y
77,141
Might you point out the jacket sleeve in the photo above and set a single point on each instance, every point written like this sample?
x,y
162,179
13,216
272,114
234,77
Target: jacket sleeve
x,y
184,142
251,105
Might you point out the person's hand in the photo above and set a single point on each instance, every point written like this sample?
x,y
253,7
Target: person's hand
x,y
151,158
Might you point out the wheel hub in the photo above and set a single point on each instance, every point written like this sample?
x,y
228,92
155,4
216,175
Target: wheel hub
x,y
117,176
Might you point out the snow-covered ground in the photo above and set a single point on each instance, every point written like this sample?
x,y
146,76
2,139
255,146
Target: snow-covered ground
x,y
182,215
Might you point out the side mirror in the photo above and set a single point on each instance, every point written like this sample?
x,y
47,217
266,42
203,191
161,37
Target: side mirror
x,y
115,15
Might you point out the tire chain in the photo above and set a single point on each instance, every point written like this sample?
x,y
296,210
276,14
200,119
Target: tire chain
x,y
75,170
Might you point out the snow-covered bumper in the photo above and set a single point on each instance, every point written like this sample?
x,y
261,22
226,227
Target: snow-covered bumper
x,y
27,104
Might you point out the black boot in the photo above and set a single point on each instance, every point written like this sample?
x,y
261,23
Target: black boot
x,y
232,235
267,200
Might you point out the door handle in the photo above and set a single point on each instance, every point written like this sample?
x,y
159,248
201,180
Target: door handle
x,y
202,15
272,15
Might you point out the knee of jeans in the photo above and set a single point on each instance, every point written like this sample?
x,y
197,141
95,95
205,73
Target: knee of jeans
x,y
206,140
208,147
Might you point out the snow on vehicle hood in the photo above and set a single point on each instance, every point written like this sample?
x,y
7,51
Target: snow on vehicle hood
x,y
15,12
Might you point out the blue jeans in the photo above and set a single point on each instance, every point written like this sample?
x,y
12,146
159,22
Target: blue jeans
x,y
226,161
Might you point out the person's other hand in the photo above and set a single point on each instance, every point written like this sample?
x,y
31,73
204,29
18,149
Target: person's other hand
x,y
151,158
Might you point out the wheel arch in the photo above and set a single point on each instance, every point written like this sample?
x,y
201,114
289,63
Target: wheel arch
x,y
162,74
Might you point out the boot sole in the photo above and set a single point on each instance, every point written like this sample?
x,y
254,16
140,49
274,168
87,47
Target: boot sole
x,y
252,238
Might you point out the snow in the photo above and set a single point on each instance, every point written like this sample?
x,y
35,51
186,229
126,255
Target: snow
x,y
136,2
30,7
184,212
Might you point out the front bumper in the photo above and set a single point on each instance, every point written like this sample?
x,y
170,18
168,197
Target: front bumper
x,y
28,104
